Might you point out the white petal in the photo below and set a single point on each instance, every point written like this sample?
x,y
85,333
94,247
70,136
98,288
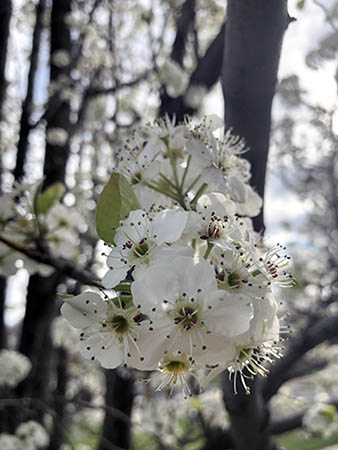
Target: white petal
x,y
104,348
213,122
194,274
158,283
237,190
169,225
217,203
134,227
114,276
84,309
232,315
198,150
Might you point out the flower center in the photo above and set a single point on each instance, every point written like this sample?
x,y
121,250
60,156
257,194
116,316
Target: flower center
x,y
175,367
141,248
119,324
136,178
186,317
234,279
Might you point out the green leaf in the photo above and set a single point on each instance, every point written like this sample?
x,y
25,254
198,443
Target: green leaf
x,y
115,203
45,200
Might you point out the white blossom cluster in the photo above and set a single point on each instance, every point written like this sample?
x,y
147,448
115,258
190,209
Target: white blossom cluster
x,y
14,367
189,284
55,229
321,420
29,436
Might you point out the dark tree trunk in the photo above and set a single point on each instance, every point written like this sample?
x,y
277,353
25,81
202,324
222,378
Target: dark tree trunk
x,y
254,34
56,155
58,434
27,105
5,17
40,303
35,340
3,334
119,395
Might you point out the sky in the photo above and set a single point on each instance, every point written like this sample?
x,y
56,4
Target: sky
x,y
301,38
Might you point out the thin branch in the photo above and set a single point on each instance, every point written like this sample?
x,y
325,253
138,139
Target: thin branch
x,y
324,330
60,264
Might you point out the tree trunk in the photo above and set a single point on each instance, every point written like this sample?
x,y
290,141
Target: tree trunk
x,y
40,303
5,17
254,34
27,105
56,156
119,395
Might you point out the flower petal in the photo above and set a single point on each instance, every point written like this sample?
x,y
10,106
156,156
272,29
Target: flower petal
x,y
84,309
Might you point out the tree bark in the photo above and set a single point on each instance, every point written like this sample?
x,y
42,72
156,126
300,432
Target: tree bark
x,y
119,395
27,104
56,156
5,17
254,34
3,333
40,303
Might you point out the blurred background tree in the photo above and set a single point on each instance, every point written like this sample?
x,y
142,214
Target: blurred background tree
x,y
76,74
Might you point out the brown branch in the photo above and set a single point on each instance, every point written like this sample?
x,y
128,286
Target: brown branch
x,y
60,264
324,330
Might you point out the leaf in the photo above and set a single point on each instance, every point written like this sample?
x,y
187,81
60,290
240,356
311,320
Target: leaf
x,y
45,200
115,203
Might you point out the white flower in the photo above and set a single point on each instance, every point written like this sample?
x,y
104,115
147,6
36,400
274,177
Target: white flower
x,y
222,168
14,367
138,240
62,224
32,434
257,346
174,78
64,335
175,369
273,265
252,205
188,312
195,94
237,272
61,58
109,332
321,419
10,442
57,136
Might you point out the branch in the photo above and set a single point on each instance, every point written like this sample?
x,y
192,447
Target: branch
x,y
206,74
323,330
305,368
292,422
184,22
60,264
